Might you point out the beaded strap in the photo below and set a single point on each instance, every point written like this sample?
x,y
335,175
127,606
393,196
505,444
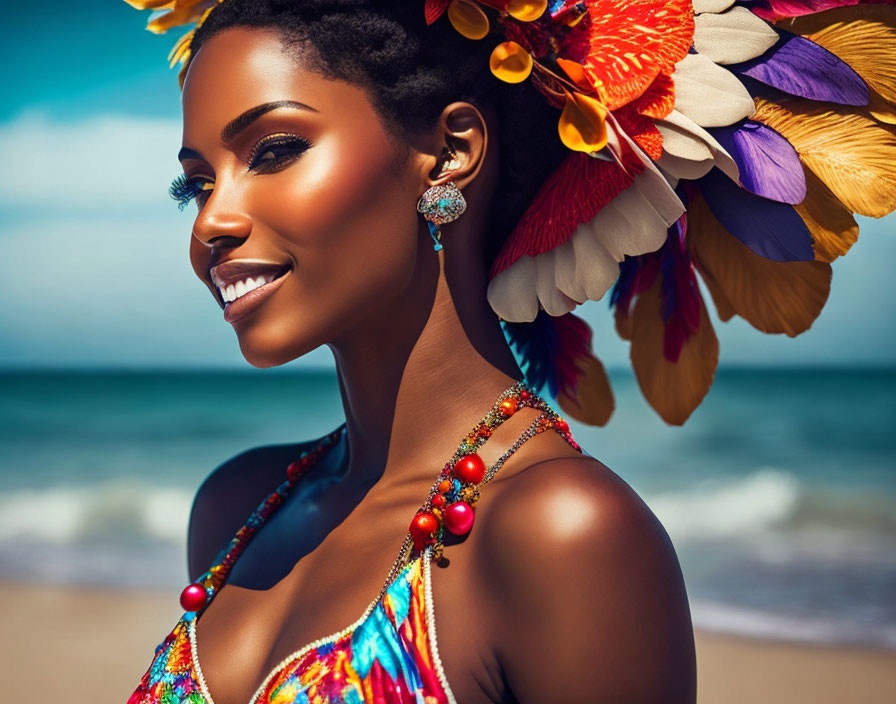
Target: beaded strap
x,y
199,594
462,491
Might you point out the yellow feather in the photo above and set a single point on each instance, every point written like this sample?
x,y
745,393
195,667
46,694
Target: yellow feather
x,y
853,155
774,297
834,229
673,389
880,109
594,401
863,36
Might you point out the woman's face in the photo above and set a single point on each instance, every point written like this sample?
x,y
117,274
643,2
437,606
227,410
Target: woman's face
x,y
313,196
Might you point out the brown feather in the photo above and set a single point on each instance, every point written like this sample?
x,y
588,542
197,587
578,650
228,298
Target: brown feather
x,y
593,403
673,389
774,297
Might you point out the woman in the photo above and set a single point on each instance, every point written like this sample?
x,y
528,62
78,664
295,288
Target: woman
x,y
311,130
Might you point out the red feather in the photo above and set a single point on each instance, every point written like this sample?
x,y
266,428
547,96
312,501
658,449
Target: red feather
x,y
572,195
781,9
434,9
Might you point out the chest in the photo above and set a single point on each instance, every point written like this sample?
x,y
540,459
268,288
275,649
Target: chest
x,y
249,632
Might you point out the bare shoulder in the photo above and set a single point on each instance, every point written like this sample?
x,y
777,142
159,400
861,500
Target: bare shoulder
x,y
229,495
586,590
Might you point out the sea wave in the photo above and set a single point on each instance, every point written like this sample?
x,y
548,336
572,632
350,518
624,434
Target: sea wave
x,y
125,510
771,500
766,623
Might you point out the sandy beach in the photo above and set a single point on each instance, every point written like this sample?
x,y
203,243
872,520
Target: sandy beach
x,y
92,645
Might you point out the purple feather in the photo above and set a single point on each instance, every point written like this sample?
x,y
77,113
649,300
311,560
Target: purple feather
x,y
801,67
769,165
773,230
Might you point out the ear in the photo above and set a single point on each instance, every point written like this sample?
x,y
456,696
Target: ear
x,y
457,146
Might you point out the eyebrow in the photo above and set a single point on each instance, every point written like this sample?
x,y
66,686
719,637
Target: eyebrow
x,y
241,122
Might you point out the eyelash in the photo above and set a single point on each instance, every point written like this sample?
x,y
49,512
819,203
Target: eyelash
x,y
185,188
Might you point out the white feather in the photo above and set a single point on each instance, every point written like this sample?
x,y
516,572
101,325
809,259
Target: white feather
x,y
712,5
733,36
689,151
709,94
552,299
511,293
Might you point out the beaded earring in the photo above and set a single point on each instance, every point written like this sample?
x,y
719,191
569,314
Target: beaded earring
x,y
442,203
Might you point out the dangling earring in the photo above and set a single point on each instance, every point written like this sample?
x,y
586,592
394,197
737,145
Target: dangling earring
x,y
442,203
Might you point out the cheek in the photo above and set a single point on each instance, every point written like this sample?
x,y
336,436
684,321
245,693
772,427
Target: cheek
x,y
347,214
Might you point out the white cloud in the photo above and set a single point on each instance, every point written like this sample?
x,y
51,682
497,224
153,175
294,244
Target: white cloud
x,y
107,163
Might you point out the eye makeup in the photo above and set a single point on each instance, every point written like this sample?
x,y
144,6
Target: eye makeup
x,y
269,155
185,188
276,151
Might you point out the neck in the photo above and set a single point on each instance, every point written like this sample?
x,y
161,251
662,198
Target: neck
x,y
414,384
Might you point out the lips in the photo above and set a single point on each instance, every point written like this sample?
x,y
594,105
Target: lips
x,y
236,270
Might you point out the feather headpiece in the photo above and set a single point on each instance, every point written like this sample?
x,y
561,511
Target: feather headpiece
x,y
733,139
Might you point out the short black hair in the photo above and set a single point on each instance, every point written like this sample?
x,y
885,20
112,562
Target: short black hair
x,y
412,71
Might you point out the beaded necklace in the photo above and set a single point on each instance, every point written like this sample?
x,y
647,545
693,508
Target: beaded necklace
x,y
448,506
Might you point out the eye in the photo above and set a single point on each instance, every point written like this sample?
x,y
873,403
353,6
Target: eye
x,y
185,188
277,151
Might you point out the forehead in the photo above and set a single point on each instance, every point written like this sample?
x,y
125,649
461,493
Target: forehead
x,y
240,68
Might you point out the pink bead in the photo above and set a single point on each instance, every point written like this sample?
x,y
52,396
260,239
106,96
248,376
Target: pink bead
x,y
193,597
459,517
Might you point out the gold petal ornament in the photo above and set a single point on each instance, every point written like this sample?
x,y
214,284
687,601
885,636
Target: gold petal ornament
x,y
510,62
526,10
468,19
151,4
583,124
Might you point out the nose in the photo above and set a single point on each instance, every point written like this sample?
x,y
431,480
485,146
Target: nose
x,y
222,226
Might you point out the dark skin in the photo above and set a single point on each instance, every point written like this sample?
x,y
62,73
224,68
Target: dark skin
x,y
567,589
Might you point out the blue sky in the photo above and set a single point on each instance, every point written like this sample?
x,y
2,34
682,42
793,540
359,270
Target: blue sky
x,y
95,268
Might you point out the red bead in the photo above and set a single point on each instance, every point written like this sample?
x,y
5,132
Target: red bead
x,y
509,406
422,527
137,696
470,469
459,517
193,597
525,395
438,500
561,425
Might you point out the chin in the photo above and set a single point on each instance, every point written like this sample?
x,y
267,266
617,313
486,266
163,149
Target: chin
x,y
272,348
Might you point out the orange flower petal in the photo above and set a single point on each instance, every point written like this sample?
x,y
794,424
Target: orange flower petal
x,y
510,62
582,124
468,19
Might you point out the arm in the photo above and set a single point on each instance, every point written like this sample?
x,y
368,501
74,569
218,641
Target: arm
x,y
586,591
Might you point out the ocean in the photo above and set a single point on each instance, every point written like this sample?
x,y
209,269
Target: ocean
x,y
779,493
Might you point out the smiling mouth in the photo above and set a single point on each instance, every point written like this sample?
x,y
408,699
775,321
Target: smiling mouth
x,y
234,287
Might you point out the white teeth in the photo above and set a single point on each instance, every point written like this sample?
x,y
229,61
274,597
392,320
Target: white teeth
x,y
241,288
